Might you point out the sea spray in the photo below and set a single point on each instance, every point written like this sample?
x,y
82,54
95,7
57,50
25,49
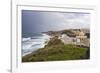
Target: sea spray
x,y
33,43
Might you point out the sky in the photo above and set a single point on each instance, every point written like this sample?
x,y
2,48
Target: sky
x,y
42,21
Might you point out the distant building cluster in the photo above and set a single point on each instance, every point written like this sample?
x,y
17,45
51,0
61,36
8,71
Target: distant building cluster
x,y
72,36
77,37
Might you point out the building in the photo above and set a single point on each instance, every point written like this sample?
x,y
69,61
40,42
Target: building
x,y
80,35
67,40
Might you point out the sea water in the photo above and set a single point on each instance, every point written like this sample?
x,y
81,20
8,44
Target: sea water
x,y
33,43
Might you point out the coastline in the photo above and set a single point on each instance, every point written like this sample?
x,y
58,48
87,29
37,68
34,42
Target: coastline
x,y
56,50
35,43
70,44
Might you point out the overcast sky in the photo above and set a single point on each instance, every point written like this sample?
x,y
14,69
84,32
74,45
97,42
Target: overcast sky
x,y
39,21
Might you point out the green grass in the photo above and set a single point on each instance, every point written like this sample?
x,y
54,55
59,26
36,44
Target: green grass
x,y
55,50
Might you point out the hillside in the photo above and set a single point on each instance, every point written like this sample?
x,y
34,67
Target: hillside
x,y
55,50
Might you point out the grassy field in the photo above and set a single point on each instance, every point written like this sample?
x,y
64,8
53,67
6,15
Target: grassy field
x,y
55,50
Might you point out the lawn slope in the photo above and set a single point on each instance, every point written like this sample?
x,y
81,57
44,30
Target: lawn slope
x,y
56,50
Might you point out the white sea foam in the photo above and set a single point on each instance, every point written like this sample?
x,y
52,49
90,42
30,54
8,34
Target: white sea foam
x,y
26,39
32,44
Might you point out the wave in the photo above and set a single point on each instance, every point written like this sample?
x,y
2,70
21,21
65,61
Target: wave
x,y
34,43
26,39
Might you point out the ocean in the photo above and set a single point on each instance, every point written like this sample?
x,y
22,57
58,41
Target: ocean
x,y
31,43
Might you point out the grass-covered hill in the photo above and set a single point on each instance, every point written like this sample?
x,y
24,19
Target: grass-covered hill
x,y
55,50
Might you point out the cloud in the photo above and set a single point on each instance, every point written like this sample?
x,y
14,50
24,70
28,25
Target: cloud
x,y
68,20
37,21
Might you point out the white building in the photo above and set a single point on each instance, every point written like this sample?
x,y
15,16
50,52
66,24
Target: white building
x,y
67,40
